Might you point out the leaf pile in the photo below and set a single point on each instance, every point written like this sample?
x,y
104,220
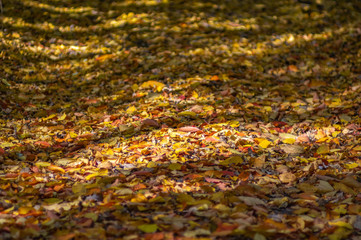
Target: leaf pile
x,y
144,119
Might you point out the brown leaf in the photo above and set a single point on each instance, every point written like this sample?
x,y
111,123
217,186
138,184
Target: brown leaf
x,y
302,139
197,109
292,149
282,169
105,164
351,182
149,123
251,201
287,177
324,187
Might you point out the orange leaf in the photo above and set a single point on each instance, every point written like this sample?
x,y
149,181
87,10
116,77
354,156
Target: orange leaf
x,y
293,68
67,236
139,186
104,57
57,188
42,144
215,78
154,236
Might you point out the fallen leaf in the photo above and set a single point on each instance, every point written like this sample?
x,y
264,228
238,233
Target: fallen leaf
x,y
149,123
189,129
351,182
287,177
292,149
148,228
55,168
324,187
323,149
252,201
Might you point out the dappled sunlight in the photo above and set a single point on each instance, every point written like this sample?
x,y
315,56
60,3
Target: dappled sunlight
x,y
180,119
126,3
56,9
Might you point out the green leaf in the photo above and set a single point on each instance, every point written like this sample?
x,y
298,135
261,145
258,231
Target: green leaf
x,y
175,166
148,228
52,200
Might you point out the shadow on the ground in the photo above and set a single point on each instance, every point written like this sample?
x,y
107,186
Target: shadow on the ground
x,y
77,56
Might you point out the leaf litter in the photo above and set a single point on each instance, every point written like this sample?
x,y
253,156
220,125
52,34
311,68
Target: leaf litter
x,y
180,120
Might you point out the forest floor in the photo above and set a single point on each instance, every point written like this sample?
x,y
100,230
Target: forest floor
x,y
145,119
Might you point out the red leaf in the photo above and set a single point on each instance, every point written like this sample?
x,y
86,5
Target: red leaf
x,y
2,151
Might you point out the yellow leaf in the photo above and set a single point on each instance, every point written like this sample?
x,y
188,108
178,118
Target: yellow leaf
x,y
324,139
234,123
55,168
323,149
50,117
357,148
148,228
42,164
163,104
73,134
135,87
335,133
153,84
151,165
341,224
351,165
187,114
267,108
195,94
289,140
264,143
101,172
109,152
62,117
131,110
24,210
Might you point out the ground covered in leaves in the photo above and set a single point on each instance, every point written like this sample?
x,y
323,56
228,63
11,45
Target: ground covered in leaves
x,y
180,119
